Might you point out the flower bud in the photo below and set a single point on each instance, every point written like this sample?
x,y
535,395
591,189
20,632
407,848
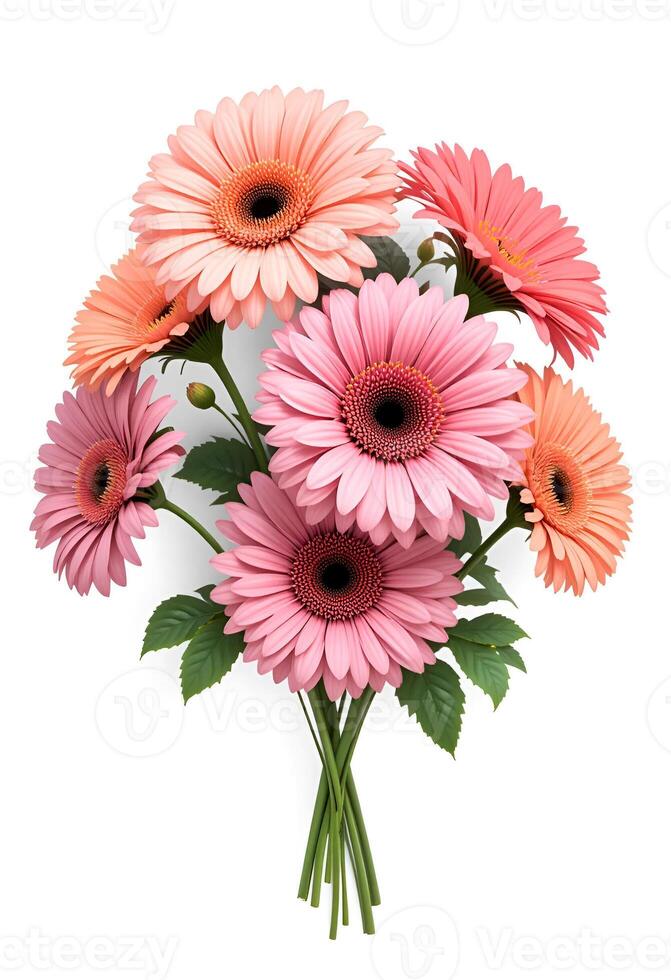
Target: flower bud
x,y
426,250
200,395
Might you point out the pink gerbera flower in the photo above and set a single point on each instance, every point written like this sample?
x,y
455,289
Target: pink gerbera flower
x,y
124,321
256,199
512,253
103,451
392,411
320,604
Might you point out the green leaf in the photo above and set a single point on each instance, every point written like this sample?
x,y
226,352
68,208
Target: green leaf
x,y
483,666
176,620
491,591
390,258
511,657
474,597
472,538
209,656
219,465
488,630
436,699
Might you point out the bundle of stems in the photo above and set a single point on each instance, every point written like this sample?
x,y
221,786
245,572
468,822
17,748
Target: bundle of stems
x,y
337,830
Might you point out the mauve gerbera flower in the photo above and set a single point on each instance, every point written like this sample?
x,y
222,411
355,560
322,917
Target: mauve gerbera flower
x,y
512,252
124,321
256,199
576,483
319,604
392,411
103,451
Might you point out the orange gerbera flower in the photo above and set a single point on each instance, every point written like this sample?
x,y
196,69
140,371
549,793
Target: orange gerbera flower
x,y
124,321
576,483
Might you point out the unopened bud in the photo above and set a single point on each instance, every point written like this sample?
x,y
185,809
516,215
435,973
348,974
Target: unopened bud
x,y
426,250
200,395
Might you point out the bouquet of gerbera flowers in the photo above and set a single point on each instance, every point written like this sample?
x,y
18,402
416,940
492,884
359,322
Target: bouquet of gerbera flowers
x,y
389,419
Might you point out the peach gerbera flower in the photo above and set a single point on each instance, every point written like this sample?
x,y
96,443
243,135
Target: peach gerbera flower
x,y
512,253
576,484
256,199
124,321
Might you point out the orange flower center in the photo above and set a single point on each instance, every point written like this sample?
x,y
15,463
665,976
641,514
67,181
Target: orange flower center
x,y
157,316
510,251
261,204
101,481
392,411
560,488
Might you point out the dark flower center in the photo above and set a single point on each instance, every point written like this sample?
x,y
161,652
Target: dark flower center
x,y
561,488
100,480
337,576
261,204
264,206
390,413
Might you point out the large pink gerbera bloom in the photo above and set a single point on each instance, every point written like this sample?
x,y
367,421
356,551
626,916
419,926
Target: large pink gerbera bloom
x,y
256,199
124,321
393,412
512,246
319,604
103,451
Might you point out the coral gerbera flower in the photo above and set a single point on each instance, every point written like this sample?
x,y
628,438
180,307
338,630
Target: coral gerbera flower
x,y
103,451
256,199
319,604
124,321
512,253
575,481
391,410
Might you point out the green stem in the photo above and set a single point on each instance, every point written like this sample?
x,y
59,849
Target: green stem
x,y
343,875
166,504
317,696
481,552
231,421
514,518
243,413
334,835
322,834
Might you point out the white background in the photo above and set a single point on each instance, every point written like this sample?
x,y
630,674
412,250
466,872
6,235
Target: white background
x,y
544,849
